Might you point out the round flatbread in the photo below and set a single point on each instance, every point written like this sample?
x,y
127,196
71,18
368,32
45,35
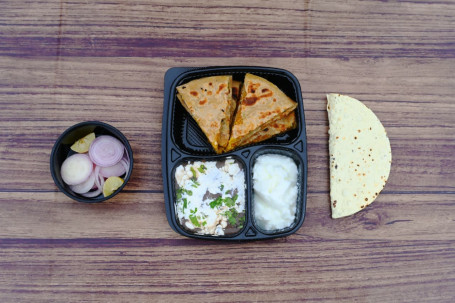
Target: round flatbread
x,y
360,155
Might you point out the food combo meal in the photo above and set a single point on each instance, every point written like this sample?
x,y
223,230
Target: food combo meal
x,y
246,181
234,153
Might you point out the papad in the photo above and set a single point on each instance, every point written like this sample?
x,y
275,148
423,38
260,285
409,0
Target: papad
x,y
360,155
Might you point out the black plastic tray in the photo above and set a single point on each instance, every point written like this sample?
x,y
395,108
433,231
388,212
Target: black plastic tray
x,y
183,140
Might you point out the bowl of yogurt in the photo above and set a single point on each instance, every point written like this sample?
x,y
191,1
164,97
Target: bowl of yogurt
x,y
276,197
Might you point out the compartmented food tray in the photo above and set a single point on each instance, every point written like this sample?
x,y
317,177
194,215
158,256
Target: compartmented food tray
x,y
185,147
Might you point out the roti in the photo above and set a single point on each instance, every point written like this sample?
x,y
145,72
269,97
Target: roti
x,y
209,101
261,103
360,155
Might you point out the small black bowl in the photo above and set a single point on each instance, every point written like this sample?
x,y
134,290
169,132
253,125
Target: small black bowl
x,y
62,150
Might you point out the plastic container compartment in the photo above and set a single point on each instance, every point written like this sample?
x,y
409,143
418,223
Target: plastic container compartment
x,y
182,140
62,149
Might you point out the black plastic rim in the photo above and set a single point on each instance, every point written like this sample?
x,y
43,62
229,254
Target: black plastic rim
x,y
175,149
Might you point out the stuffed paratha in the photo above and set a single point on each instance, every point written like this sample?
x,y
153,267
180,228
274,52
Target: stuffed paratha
x,y
209,101
275,128
261,103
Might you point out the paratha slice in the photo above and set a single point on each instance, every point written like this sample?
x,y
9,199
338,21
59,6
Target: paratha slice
x,y
261,103
209,100
275,128
360,155
236,85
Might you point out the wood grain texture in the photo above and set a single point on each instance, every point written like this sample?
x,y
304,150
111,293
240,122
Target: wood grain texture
x,y
62,62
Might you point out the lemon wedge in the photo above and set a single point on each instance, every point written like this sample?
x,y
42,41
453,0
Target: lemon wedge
x,y
82,145
111,185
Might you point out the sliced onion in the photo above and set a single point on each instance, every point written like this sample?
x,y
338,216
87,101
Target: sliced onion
x,y
106,151
126,160
99,182
92,194
113,171
126,165
84,187
76,169
126,157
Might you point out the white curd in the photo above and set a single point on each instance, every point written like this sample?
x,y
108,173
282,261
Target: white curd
x,y
275,191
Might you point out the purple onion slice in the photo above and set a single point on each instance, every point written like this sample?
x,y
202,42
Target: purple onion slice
x,y
106,151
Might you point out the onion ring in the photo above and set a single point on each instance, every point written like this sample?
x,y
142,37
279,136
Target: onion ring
x,y
84,187
106,151
113,171
76,169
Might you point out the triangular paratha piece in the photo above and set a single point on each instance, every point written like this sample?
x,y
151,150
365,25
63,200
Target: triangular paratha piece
x,y
360,155
209,100
275,128
261,103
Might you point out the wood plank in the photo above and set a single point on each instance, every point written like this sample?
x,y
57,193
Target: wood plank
x,y
64,62
51,215
286,270
140,28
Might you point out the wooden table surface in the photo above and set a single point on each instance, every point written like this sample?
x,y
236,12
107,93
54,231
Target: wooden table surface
x,y
62,62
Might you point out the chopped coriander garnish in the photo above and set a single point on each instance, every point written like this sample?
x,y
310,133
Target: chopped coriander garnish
x,y
221,187
178,194
232,220
229,202
195,221
231,215
216,203
228,213
242,220
194,173
185,204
